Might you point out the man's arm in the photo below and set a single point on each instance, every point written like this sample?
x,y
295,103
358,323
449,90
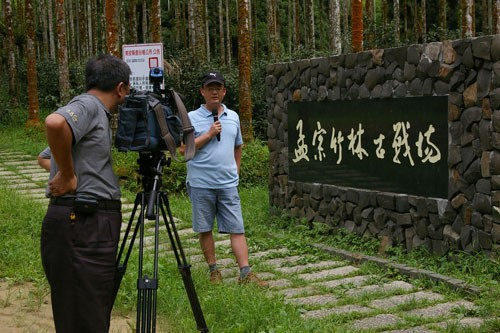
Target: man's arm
x,y
237,156
60,139
44,162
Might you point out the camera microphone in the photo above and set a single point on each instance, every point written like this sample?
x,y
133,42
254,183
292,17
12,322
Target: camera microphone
x,y
215,114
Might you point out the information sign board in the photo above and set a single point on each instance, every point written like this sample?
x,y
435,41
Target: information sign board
x,y
141,58
394,145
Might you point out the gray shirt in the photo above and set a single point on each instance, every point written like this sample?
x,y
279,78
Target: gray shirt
x,y
92,142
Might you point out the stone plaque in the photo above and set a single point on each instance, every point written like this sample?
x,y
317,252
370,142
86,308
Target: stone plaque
x,y
390,145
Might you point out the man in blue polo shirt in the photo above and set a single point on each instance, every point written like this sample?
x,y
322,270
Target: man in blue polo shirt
x,y
212,177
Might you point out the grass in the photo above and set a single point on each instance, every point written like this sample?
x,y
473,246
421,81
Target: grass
x,y
229,307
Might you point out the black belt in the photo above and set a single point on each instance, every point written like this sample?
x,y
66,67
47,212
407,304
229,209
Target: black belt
x,y
101,204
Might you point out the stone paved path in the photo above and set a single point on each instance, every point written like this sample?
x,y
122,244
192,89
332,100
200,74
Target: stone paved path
x,y
318,289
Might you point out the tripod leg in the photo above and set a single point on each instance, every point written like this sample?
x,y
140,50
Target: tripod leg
x,y
184,267
121,267
147,286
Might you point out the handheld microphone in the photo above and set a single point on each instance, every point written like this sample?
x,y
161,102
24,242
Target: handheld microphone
x,y
215,114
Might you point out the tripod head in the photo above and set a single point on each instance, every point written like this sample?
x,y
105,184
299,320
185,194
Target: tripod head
x,y
150,170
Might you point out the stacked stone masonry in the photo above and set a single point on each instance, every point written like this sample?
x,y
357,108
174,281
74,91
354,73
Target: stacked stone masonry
x,y
468,72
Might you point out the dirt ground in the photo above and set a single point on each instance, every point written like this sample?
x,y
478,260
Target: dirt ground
x,y
26,309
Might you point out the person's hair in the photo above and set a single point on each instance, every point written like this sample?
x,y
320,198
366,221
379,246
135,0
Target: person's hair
x,y
105,72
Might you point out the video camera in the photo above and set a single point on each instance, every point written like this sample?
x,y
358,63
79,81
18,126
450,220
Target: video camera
x,y
146,121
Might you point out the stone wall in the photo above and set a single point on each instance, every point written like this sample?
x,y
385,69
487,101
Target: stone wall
x,y
468,72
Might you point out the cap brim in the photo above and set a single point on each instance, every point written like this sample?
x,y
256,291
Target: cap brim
x,y
212,81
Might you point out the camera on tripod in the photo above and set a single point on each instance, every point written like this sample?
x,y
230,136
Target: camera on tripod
x,y
148,125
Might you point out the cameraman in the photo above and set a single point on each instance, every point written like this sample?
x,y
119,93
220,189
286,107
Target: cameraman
x,y
212,178
81,229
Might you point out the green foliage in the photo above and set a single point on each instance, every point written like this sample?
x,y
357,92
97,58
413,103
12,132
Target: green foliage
x,y
186,81
127,170
254,168
48,81
19,237
30,140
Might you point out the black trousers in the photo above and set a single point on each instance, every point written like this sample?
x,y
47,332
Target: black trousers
x,y
79,258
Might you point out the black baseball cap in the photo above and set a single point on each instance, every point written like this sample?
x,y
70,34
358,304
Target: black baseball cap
x,y
212,77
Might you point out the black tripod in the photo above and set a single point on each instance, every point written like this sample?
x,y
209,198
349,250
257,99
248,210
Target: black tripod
x,y
150,168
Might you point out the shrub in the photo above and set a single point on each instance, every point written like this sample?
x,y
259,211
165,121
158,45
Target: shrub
x,y
254,169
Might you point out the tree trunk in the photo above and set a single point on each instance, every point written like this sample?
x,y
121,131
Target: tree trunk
x,y
442,19
383,5
244,66
397,36
345,31
82,31
468,29
222,45
496,17
405,19
133,21
71,32
112,28
62,53
191,26
296,24
369,24
33,115
424,22
272,28
50,18
335,36
228,36
44,54
207,29
11,54
310,35
357,26
200,31
156,21
144,21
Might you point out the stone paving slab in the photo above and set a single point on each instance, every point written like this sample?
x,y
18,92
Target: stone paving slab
x,y
278,262
381,320
341,310
280,283
31,191
22,185
394,301
416,329
329,273
441,309
43,179
355,281
272,252
293,292
463,322
19,181
386,287
301,268
314,300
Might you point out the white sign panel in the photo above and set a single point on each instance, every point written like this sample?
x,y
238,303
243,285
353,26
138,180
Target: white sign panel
x,y
141,58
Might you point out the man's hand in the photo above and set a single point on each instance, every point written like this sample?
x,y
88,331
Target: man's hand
x,y
60,185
